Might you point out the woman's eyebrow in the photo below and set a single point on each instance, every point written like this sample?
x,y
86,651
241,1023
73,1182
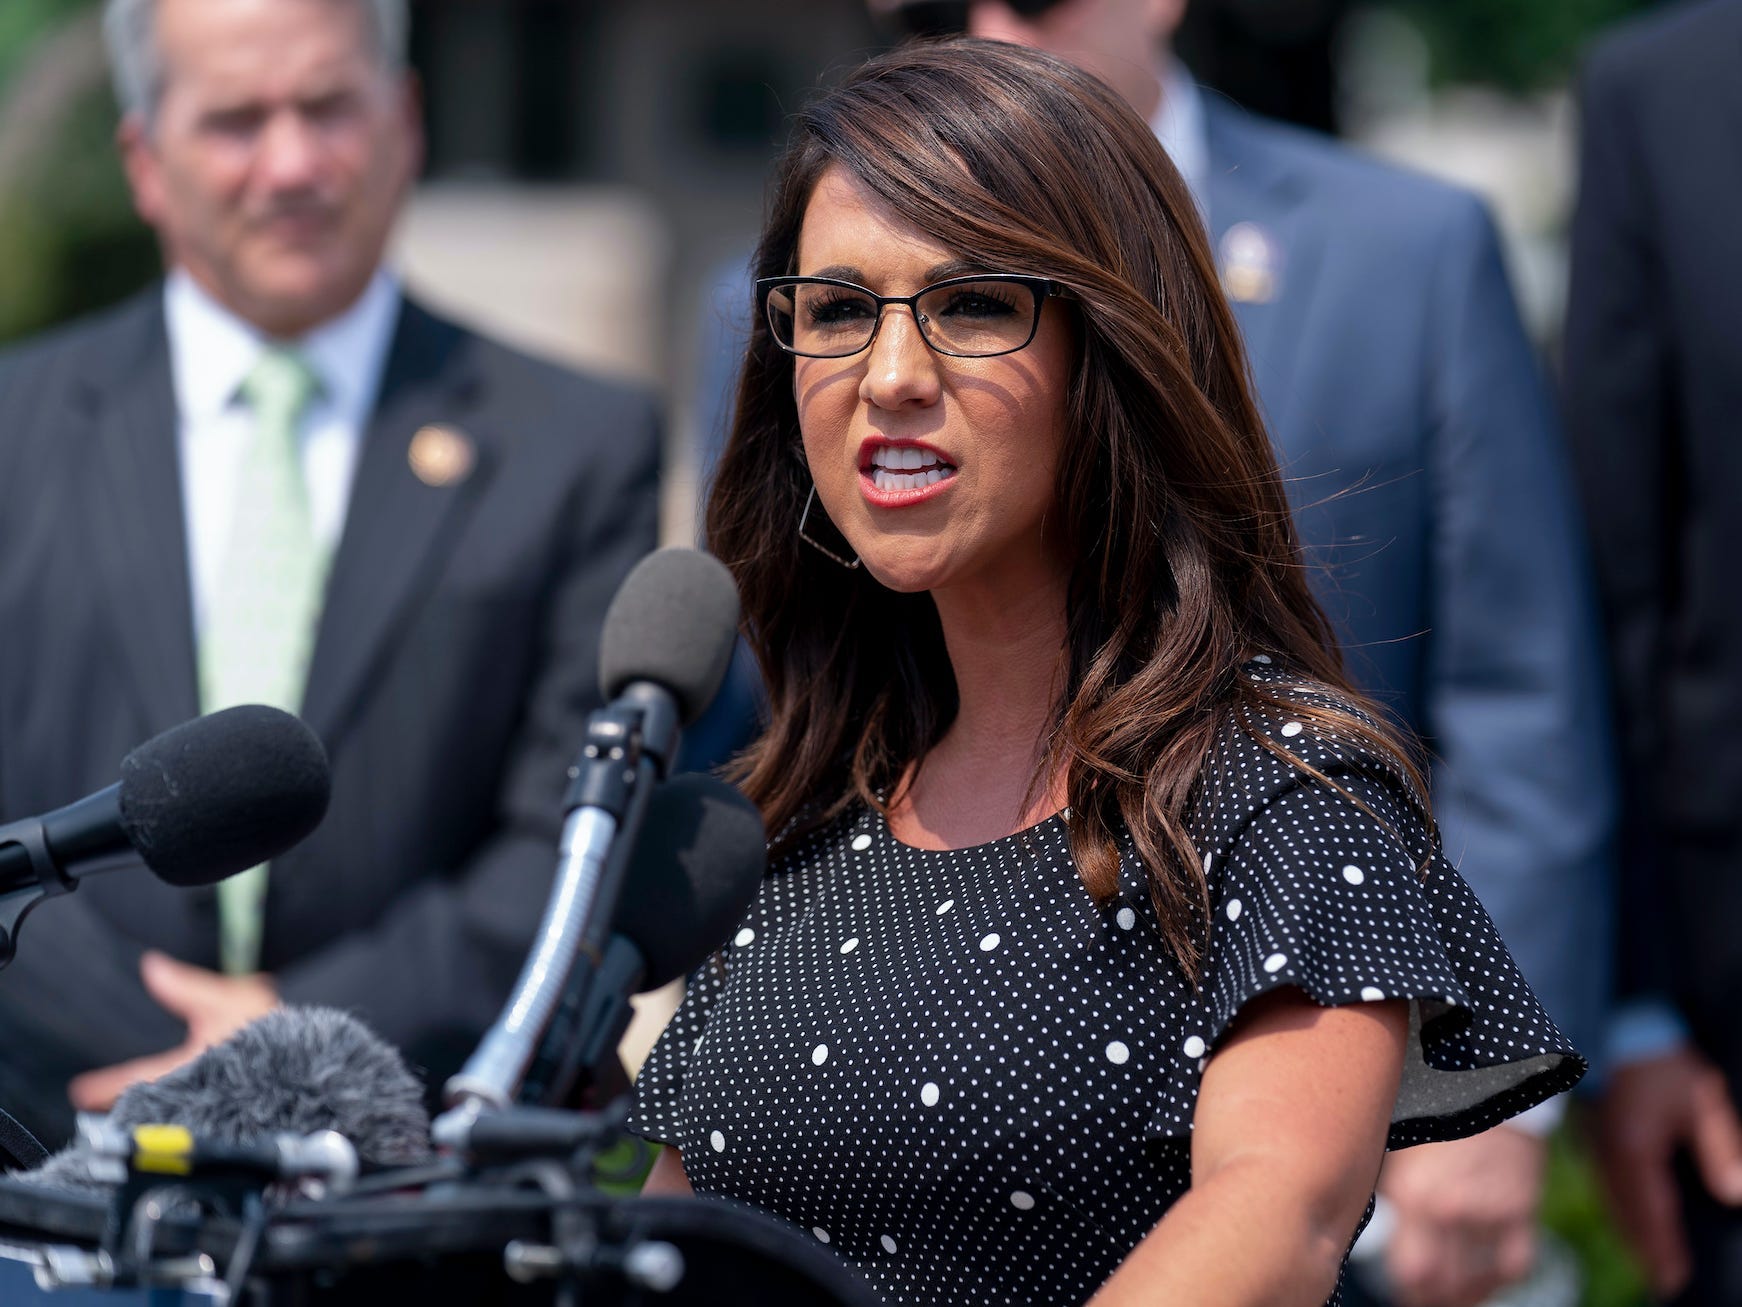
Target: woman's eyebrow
x,y
953,268
937,272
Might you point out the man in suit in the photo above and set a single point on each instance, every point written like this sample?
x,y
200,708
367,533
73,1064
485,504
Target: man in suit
x,y
1412,424
1653,393
182,469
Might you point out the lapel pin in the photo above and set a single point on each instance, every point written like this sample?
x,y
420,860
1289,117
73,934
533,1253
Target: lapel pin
x,y
441,455
1251,264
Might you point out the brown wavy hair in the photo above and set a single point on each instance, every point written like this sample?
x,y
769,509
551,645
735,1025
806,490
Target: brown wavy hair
x,y
1182,554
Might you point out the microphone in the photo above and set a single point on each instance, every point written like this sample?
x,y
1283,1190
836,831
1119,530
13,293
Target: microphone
x,y
300,1072
667,641
697,866
667,638
202,801
695,869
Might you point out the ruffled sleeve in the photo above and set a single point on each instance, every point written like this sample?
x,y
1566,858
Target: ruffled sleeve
x,y
1338,890
657,1114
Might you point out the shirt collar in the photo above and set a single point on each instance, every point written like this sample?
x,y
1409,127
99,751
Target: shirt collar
x,y
212,350
1178,123
347,353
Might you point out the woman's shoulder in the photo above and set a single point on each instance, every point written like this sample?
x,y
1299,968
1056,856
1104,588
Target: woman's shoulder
x,y
1308,719
1294,731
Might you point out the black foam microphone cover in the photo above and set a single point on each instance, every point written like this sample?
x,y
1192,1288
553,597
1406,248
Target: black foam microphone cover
x,y
696,868
222,793
673,621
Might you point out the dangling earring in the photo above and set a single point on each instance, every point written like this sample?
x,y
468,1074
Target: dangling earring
x,y
824,550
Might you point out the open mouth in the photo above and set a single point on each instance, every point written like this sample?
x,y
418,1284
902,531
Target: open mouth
x,y
906,467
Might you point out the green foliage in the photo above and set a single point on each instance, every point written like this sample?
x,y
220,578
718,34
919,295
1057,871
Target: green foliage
x,y
1518,45
69,240
22,22
1573,1208
624,1166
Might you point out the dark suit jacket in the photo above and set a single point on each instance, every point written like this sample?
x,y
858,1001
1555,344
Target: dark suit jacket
x,y
454,666
1413,426
1654,410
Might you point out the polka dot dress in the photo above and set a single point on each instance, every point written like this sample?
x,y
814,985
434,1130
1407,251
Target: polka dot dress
x,y
976,1085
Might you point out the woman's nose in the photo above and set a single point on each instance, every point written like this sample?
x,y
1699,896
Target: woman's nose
x,y
900,368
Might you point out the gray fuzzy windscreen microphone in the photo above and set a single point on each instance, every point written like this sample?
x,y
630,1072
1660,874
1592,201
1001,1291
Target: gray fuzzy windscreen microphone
x,y
674,622
296,1070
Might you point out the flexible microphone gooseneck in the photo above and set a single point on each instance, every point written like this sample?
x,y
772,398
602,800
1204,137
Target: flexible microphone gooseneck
x,y
667,639
695,869
202,801
696,866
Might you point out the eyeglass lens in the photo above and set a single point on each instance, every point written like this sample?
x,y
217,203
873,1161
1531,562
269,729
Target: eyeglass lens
x,y
945,17
930,17
973,318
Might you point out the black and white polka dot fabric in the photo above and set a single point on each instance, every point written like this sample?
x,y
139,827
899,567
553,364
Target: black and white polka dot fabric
x,y
976,1085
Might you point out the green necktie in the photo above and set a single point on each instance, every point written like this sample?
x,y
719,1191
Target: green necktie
x,y
259,628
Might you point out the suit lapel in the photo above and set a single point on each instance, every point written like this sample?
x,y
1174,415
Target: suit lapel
x,y
137,531
399,526
1735,95
1257,209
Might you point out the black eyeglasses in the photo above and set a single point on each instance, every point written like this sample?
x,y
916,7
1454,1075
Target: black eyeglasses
x,y
946,17
964,317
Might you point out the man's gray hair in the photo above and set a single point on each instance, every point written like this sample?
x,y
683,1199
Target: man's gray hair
x,y
136,62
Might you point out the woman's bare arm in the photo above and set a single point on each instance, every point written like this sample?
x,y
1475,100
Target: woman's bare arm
x,y
1286,1144
667,1178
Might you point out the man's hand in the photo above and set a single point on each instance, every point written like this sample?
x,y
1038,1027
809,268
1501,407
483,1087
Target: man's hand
x,y
214,1006
1465,1216
1649,1111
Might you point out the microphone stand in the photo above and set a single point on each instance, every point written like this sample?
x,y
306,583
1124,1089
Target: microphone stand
x,y
19,1149
525,1056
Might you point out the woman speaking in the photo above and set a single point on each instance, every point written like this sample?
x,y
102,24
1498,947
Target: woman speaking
x,y
1108,942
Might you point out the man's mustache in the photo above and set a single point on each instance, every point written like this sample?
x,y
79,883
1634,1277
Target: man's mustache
x,y
295,208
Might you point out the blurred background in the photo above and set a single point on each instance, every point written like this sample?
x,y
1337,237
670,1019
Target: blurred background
x,y
596,165
593,164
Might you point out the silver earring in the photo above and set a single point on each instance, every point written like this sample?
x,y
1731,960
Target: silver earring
x,y
824,550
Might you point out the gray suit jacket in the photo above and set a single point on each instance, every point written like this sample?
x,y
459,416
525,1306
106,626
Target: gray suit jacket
x,y
455,663
1426,473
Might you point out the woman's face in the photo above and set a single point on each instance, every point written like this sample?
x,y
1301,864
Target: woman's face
x,y
992,427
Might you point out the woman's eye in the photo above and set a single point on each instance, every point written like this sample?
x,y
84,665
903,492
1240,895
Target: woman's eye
x,y
836,310
978,302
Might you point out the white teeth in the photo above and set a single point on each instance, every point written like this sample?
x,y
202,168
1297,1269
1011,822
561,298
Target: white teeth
x,y
905,459
906,467
884,479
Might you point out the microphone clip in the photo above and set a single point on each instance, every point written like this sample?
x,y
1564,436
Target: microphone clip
x,y
17,900
604,775
640,726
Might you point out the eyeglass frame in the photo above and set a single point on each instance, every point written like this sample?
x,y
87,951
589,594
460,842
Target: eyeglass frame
x,y
1042,288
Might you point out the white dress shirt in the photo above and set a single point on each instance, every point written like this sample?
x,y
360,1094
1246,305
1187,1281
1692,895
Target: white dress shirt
x,y
1178,123
211,351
